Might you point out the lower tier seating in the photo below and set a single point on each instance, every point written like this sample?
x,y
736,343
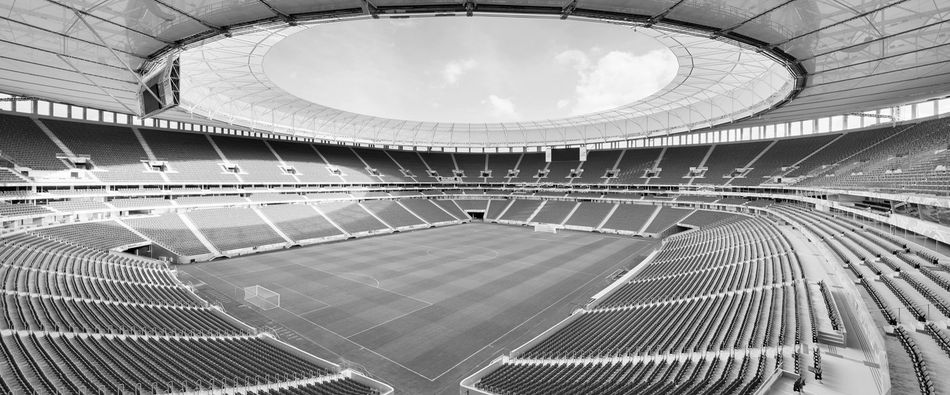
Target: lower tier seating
x,y
234,228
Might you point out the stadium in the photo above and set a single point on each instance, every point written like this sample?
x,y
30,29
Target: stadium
x,y
491,197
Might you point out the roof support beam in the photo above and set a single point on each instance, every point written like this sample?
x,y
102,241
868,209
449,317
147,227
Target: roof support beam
x,y
568,9
91,81
119,58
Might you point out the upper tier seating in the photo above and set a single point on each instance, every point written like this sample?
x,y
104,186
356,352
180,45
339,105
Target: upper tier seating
x,y
676,163
304,159
410,161
170,232
596,166
471,166
528,169
112,148
191,157
844,147
634,163
254,159
441,163
560,171
380,160
234,228
909,160
22,141
299,221
352,169
500,164
726,158
783,153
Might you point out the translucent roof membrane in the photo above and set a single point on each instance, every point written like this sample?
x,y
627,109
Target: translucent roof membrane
x,y
718,81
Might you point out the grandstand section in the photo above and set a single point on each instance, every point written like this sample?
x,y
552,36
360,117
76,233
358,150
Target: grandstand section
x,y
666,197
393,214
170,232
114,151
254,159
351,167
25,145
385,168
190,157
307,164
300,222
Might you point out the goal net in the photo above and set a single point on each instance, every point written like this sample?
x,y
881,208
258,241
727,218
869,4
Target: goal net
x,y
261,297
546,228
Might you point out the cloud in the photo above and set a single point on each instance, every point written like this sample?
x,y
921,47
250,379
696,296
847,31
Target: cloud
x,y
575,58
454,69
617,78
502,107
563,103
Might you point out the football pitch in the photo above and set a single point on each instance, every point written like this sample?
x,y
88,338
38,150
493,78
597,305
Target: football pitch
x,y
421,310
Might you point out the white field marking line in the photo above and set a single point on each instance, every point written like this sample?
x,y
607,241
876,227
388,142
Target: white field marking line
x,y
354,281
352,274
388,321
362,347
285,327
316,309
556,302
278,284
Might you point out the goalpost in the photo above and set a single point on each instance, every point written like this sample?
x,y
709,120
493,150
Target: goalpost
x,y
546,228
261,297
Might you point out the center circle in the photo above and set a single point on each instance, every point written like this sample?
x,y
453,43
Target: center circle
x,y
470,70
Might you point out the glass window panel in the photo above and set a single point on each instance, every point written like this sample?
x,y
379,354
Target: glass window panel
x,y
925,109
43,107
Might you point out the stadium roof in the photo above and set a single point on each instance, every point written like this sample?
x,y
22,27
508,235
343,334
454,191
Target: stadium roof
x,y
816,58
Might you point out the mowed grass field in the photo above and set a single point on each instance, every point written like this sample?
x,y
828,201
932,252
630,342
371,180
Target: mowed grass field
x,y
427,301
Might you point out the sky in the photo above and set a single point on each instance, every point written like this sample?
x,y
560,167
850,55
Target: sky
x,y
470,70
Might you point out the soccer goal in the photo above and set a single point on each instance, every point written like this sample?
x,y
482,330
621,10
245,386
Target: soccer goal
x,y
261,297
546,228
